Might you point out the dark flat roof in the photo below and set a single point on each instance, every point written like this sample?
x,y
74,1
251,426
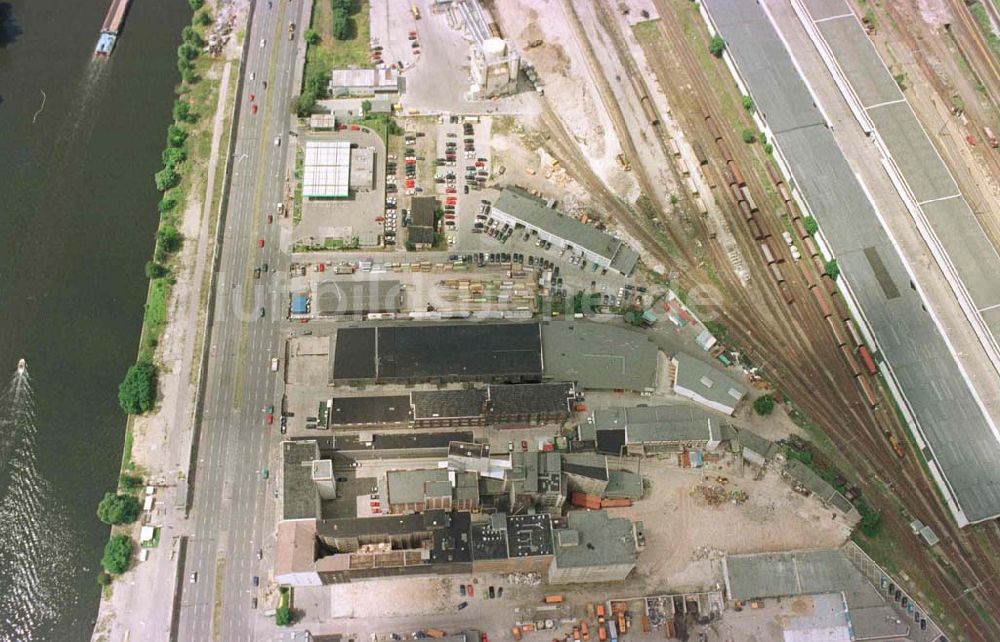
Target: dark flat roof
x,y
422,210
469,350
529,398
488,543
610,441
395,441
529,535
448,403
348,411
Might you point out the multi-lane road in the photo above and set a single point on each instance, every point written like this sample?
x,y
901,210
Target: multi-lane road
x,y
232,503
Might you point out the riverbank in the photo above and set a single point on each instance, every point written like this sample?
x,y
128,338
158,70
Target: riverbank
x,y
158,444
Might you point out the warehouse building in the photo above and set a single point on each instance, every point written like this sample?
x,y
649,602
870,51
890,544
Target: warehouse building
x,y
703,384
535,480
529,404
369,411
355,299
593,548
362,175
599,356
440,408
326,169
416,491
651,430
420,229
441,352
512,543
516,207
364,82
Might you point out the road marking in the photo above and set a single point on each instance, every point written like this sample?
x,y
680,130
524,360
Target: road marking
x,y
828,18
989,307
943,198
888,102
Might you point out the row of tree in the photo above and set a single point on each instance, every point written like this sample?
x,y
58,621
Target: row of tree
x,y
118,509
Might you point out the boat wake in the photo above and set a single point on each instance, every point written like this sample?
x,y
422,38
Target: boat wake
x,y
35,540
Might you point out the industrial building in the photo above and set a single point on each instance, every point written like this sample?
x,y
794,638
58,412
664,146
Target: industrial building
x,y
420,229
416,491
494,64
365,411
354,299
593,548
364,82
362,174
651,430
441,352
516,207
326,169
535,480
703,384
599,356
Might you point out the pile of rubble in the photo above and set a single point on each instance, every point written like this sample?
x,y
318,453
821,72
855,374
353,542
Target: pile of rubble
x,y
222,30
717,494
525,579
706,553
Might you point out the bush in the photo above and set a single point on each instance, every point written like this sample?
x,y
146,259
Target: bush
x,y
311,37
137,391
871,519
768,148
173,156
103,578
810,224
763,138
832,269
283,616
166,178
189,76
169,238
117,553
176,135
748,136
196,4
748,103
203,18
166,204
763,405
130,482
156,270
341,27
187,51
118,509
189,35
717,45
184,66
366,107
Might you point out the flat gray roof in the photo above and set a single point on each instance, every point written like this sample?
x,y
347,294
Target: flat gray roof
x,y
961,442
599,356
651,424
600,540
410,486
300,498
524,207
763,575
710,383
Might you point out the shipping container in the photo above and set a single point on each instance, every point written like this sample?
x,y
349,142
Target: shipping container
x,y
621,502
820,297
866,357
558,599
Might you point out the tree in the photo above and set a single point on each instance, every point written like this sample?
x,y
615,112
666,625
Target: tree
x,y
311,37
166,204
196,4
366,107
810,224
189,35
184,66
763,405
130,482
282,616
166,178
156,270
717,46
203,18
103,578
342,5
748,103
341,26
176,136
832,269
173,156
304,104
137,391
189,76
748,136
169,238
117,553
187,50
768,148
118,509
182,111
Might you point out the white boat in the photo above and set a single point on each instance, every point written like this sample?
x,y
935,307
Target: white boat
x,y
21,366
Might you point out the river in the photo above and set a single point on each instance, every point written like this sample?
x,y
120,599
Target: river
x,y
78,214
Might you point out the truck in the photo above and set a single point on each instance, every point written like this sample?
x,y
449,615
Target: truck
x,y
274,364
291,30
516,632
553,599
434,633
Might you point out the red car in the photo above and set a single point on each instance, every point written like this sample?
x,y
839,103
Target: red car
x,y
468,590
485,639
253,108
451,190
260,242
252,96
524,445
270,218
270,418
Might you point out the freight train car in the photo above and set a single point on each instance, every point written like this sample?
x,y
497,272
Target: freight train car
x,y
820,297
866,358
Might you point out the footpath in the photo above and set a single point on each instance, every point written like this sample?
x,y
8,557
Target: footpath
x,y
139,604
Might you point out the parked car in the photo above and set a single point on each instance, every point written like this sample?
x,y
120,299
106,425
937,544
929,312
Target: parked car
x,y
462,605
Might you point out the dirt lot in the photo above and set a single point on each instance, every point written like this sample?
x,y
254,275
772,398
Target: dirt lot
x,y
681,526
